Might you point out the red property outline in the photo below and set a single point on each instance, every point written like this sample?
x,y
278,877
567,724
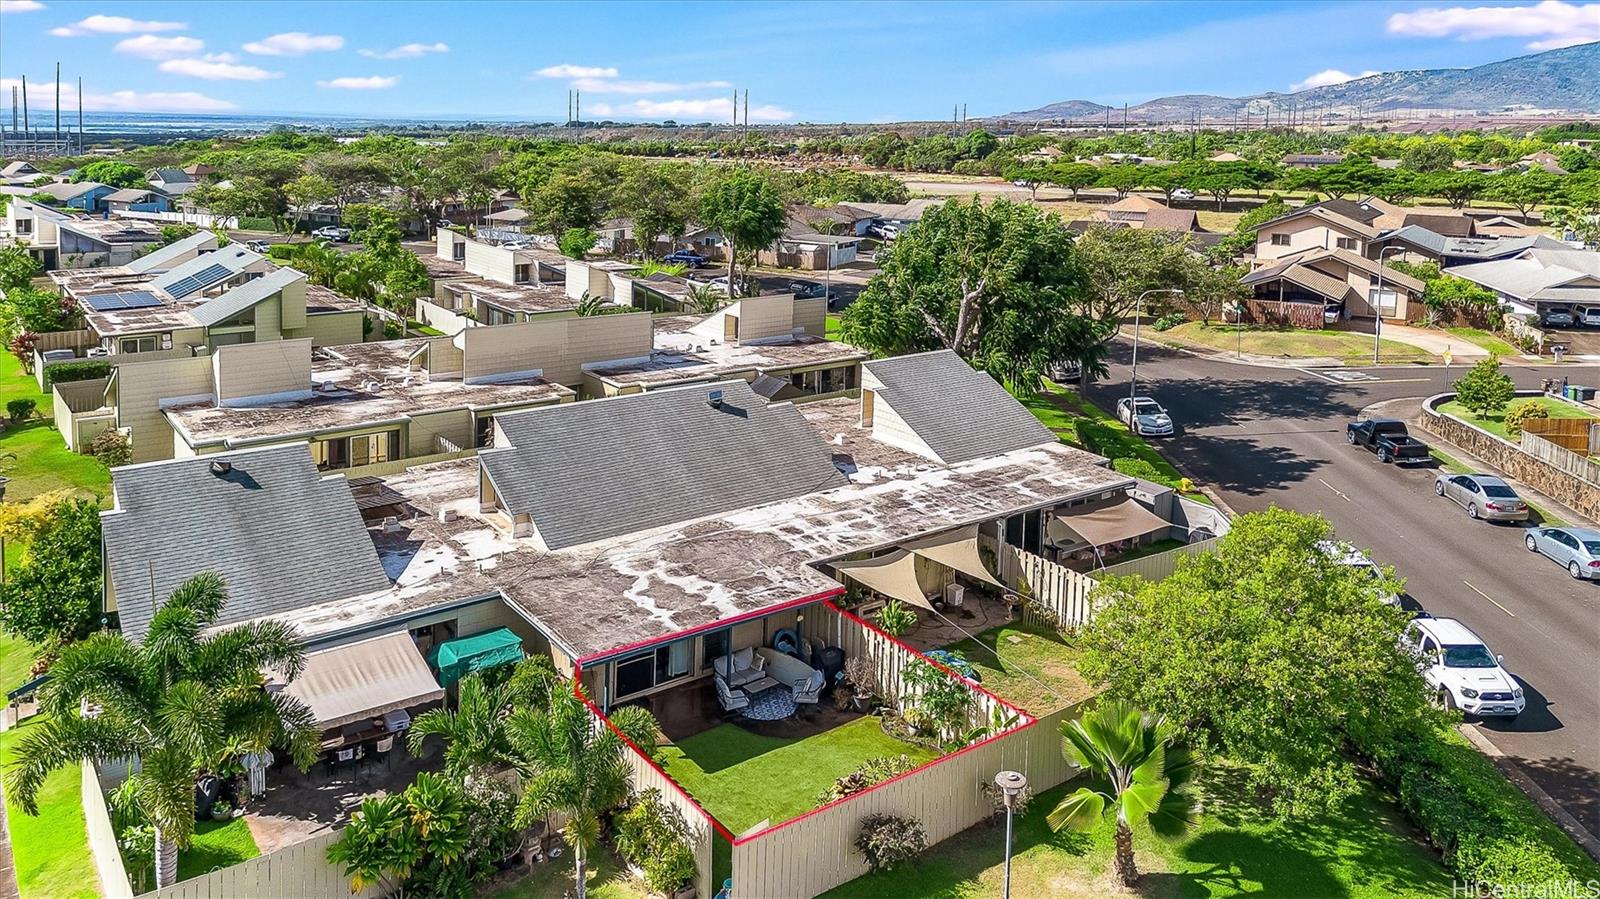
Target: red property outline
x,y
826,598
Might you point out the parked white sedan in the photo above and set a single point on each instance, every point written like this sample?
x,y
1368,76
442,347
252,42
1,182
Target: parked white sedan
x,y
1144,416
1575,549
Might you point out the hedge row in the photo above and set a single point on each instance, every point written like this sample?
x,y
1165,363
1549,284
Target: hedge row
x,y
87,370
1485,828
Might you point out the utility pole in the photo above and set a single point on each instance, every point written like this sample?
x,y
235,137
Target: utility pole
x,y
577,106
27,128
963,112
58,106
747,108
80,115
735,125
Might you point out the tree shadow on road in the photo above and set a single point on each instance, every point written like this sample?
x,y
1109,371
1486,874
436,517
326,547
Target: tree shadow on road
x,y
1240,464
1575,786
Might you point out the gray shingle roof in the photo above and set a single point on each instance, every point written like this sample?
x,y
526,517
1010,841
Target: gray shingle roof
x,y
235,257
598,469
237,300
959,412
160,258
280,534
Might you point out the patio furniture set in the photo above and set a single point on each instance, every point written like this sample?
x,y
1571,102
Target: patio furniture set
x,y
368,739
766,684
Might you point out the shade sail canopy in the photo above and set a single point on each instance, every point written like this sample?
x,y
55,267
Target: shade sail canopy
x,y
893,575
460,657
957,549
364,680
1100,525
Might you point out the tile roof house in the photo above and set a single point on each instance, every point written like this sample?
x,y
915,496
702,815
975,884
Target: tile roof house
x,y
279,533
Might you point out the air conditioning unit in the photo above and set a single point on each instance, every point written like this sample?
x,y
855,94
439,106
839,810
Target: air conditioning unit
x,y
955,595
448,515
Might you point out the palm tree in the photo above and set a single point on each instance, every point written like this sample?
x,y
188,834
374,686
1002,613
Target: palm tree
x,y
1138,774
705,299
571,766
475,731
171,703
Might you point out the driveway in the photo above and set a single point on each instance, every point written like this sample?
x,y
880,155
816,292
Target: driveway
x,y
1271,436
1436,342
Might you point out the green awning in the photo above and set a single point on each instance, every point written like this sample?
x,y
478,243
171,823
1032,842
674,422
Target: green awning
x,y
455,659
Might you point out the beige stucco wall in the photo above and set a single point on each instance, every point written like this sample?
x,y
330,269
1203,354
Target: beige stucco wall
x,y
812,315
262,369
454,425
490,262
330,328
1305,233
292,305
765,316
559,347
140,387
887,425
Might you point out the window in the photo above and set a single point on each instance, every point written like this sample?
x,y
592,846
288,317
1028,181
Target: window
x,y
458,252
715,645
24,226
654,667
1280,240
499,316
247,317
485,435
1345,243
138,344
233,339
523,274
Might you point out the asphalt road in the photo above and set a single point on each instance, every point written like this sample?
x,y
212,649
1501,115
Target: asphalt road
x,y
1272,436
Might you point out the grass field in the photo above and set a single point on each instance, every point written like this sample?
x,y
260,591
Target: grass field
x,y
1085,425
52,848
42,462
1485,339
1363,850
832,327
1030,667
1291,343
742,778
1495,423
217,844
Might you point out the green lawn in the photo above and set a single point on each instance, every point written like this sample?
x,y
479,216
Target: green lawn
x,y
743,779
42,462
17,384
1495,423
831,329
1348,347
217,844
51,849
1083,424
1364,849
1028,666
417,327
607,878
16,659
1487,340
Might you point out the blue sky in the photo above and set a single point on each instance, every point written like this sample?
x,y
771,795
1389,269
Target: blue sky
x,y
811,62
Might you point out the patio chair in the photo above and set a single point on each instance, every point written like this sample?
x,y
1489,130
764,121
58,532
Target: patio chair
x,y
730,700
382,750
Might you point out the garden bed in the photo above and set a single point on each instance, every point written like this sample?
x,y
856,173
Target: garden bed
x,y
1495,423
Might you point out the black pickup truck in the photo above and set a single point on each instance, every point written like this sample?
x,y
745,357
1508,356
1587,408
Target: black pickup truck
x,y
1388,438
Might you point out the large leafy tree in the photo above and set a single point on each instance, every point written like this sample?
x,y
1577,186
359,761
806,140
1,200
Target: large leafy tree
x,y
1485,389
18,267
747,209
1269,651
1137,772
657,197
112,173
1122,264
995,283
53,595
177,702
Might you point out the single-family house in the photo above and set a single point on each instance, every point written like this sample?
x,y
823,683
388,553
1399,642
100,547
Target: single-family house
x,y
61,239
1540,280
1311,160
1336,283
84,196
133,199
170,178
1416,243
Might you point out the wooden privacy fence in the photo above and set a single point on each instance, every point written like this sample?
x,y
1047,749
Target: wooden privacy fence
x,y
815,852
1064,593
1580,435
1157,566
1287,313
1561,458
299,871
646,776
114,882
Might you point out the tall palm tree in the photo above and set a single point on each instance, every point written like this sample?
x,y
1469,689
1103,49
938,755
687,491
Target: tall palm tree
x,y
475,731
1138,773
171,703
571,766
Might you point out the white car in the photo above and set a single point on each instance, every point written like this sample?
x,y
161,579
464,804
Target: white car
x,y
1346,554
331,232
1183,193
1588,316
1144,416
1461,670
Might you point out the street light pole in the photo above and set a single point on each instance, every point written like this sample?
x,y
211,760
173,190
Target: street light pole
x,y
1133,374
1377,309
1011,784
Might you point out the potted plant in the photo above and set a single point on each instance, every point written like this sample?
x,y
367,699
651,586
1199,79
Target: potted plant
x,y
221,810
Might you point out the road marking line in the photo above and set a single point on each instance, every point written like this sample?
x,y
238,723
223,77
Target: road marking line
x,y
1406,380
1491,599
1340,494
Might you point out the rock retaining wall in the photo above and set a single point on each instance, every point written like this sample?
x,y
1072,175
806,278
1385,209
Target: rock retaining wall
x,y
1509,458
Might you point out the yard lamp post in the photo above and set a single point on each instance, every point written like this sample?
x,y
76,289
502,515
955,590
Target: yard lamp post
x,y
1133,374
1011,784
1377,307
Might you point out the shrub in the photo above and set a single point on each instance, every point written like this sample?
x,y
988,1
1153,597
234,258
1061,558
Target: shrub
x,y
872,771
576,242
1485,389
87,370
55,593
1169,321
393,330
112,448
653,836
281,251
257,224
887,841
895,618
21,408
1521,412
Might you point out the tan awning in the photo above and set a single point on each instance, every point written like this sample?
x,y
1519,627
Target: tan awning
x,y
364,680
893,575
957,549
1100,525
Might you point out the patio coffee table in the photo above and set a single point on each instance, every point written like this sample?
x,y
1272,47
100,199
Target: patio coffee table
x,y
759,686
774,703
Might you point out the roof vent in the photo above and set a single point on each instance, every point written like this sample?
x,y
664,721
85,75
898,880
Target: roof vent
x,y
221,467
715,399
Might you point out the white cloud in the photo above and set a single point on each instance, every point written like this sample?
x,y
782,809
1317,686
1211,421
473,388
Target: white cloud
x,y
567,70
151,47
129,101
367,83
294,43
114,25
1326,78
719,109
406,51
217,67
608,86
20,6
1548,25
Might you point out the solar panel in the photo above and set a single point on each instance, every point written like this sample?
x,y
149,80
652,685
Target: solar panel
x,y
200,280
130,299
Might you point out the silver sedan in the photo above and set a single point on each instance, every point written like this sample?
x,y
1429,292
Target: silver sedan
x,y
1483,496
1577,549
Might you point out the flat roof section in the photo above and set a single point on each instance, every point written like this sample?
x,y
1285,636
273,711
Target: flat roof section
x,y
513,297
679,359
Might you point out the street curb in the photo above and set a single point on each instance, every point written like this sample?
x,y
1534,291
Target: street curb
x,y
1567,513
1513,772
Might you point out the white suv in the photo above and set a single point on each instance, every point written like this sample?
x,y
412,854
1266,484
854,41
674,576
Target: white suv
x,y
1348,555
1462,670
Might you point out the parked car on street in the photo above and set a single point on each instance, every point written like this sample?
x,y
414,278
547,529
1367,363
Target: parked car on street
x,y
1065,372
685,257
1144,416
1461,670
1558,318
805,290
1483,496
332,232
1183,193
1577,549
1346,554
257,246
1388,438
